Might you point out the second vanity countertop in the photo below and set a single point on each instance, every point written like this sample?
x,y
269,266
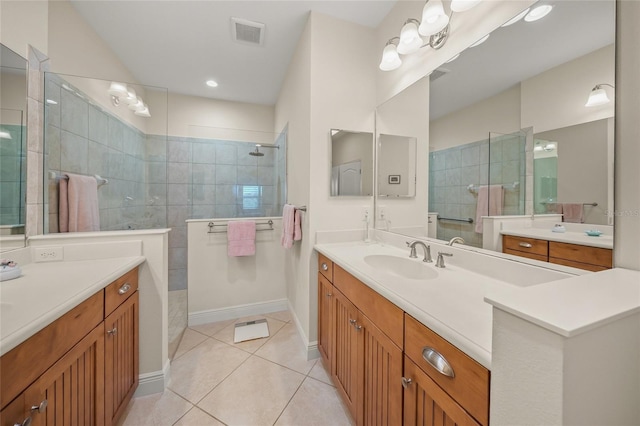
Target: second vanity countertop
x,y
452,304
46,291
603,241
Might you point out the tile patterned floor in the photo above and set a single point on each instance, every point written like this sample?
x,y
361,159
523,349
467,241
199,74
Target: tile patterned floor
x,y
260,382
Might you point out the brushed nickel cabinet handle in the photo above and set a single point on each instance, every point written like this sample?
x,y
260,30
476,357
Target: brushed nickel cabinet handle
x,y
358,327
352,322
40,408
125,288
406,382
113,331
25,422
437,361
525,245
325,267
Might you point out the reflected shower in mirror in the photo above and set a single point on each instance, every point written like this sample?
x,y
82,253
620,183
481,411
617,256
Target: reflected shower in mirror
x,y
351,163
527,83
13,148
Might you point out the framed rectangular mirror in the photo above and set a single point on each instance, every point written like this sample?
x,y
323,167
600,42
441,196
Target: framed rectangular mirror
x,y
351,163
13,148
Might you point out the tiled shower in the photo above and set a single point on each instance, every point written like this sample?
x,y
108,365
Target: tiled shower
x,y
499,160
157,181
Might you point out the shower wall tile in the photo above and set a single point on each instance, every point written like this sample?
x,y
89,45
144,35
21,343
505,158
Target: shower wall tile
x,y
74,115
224,210
453,177
203,174
51,110
248,175
495,152
226,174
156,148
226,154
177,215
178,151
98,158
98,126
266,176
179,172
244,159
484,152
204,152
203,194
116,134
178,194
226,194
73,153
471,155
156,172
177,279
203,211
453,158
157,194
178,237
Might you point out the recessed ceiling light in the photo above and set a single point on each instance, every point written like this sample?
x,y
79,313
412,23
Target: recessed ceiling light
x,y
212,83
516,18
538,13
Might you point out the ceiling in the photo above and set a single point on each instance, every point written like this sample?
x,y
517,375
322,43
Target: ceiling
x,y
181,44
523,50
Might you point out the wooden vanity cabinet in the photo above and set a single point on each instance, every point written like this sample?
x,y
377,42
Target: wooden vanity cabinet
x,y
61,375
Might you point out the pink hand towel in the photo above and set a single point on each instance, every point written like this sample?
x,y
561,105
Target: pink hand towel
x,y
572,213
490,201
297,229
78,206
241,238
288,226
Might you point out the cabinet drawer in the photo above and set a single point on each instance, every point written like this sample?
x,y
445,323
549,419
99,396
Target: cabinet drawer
x,y
23,364
120,290
470,384
325,267
387,316
526,245
525,254
583,254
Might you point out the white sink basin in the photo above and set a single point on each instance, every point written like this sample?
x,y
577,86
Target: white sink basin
x,y
400,266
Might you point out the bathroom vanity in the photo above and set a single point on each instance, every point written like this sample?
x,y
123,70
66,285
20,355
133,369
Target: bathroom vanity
x,y
70,351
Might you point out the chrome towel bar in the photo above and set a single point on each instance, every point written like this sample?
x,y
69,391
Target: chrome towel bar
x,y
468,220
212,225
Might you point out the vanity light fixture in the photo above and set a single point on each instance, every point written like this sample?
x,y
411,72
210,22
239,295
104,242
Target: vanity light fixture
x,y
598,96
538,12
432,31
120,92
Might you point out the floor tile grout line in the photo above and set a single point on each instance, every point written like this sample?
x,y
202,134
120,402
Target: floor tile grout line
x,y
290,399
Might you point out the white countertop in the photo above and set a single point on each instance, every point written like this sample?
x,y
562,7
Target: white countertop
x,y
452,304
603,241
574,305
48,290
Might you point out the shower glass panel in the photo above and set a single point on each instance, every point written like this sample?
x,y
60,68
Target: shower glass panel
x,y
507,171
90,132
13,134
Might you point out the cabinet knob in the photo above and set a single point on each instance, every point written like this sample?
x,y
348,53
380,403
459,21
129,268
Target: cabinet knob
x,y
358,327
437,361
406,382
125,288
113,331
352,322
325,267
25,422
40,408
525,245
329,294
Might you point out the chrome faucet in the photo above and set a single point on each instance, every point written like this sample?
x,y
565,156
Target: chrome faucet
x,y
440,261
427,250
456,240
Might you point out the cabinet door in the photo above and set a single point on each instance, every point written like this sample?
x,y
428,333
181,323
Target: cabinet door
x,y
325,320
14,414
71,392
380,374
426,404
121,357
344,363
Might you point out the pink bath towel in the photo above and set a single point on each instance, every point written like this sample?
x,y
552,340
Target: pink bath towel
x,y
78,204
297,226
490,201
572,212
288,226
241,238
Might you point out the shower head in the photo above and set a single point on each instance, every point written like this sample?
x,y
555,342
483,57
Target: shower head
x,y
257,152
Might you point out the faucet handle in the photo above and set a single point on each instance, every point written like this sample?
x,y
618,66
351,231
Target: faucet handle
x,y
440,261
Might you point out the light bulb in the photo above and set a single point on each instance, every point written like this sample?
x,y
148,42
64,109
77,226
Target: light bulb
x,y
462,5
538,13
131,96
597,97
434,19
390,58
410,40
118,89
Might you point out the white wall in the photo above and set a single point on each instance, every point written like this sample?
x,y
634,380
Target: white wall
x,y
223,287
500,113
627,148
193,116
23,23
396,156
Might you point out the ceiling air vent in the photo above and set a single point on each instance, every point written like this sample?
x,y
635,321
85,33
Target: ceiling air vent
x,y
247,31
437,73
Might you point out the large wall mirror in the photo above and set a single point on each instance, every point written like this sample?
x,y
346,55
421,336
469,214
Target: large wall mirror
x,y
13,148
351,163
509,113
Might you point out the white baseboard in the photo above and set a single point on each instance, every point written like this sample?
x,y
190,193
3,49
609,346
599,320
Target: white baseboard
x,y
311,347
154,382
232,312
